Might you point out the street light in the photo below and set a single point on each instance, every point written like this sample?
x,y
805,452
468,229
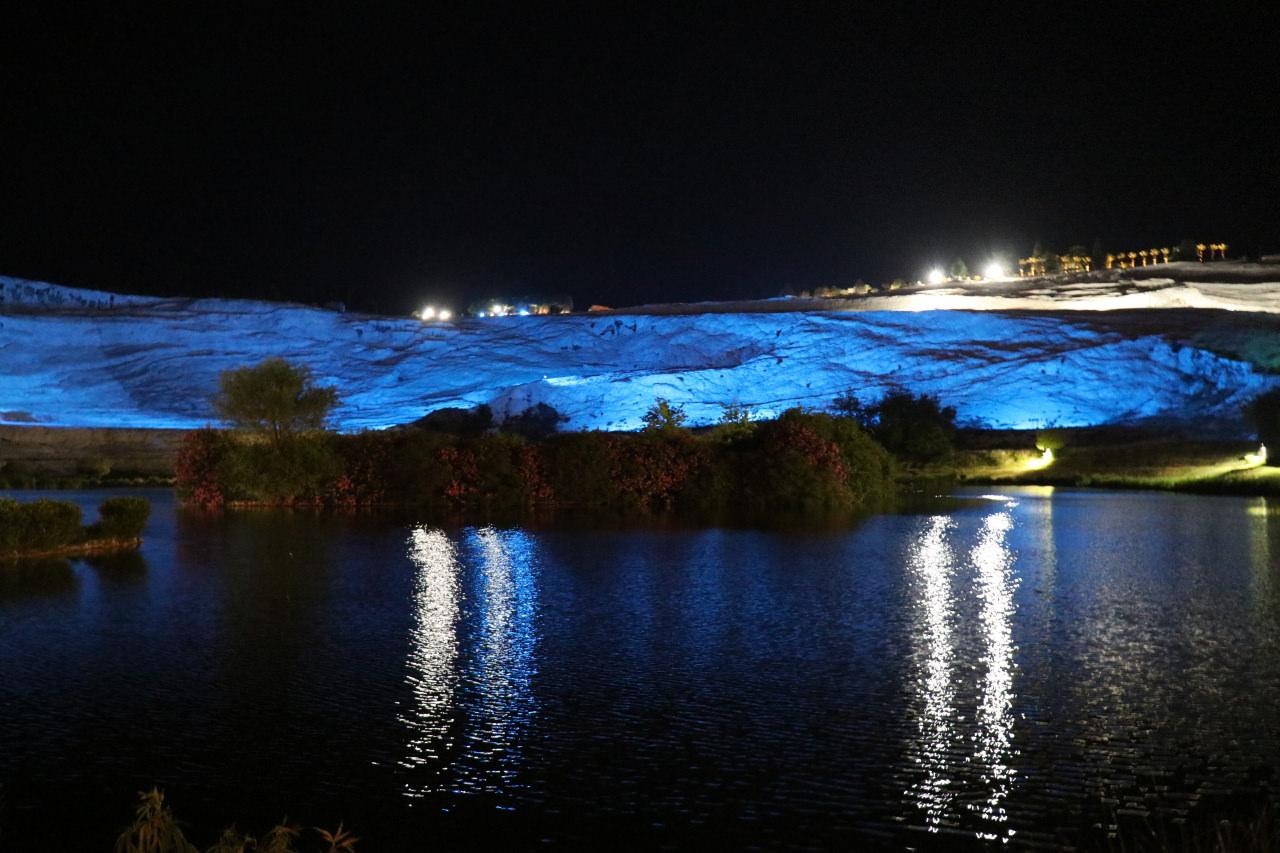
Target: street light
x,y
936,276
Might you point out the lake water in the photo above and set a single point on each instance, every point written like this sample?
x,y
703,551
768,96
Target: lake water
x,y
1034,666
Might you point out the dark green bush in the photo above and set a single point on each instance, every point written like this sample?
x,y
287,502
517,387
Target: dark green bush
x,y
50,524
121,518
294,469
579,466
12,524
39,525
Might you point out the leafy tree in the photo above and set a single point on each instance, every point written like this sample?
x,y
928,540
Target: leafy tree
x,y
918,429
847,405
663,417
735,423
274,398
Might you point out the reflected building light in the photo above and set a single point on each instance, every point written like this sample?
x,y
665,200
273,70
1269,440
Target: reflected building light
x,y
931,565
995,585
433,653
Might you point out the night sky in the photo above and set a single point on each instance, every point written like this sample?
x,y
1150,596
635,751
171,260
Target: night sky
x,y
655,155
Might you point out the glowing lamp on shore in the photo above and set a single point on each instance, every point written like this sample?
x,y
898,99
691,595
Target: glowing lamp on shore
x,y
936,276
428,313
444,315
1259,458
993,270
1044,460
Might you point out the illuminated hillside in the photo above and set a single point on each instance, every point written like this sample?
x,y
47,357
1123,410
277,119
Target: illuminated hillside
x,y
83,358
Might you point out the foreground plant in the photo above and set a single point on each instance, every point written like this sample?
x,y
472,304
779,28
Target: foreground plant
x,y
154,828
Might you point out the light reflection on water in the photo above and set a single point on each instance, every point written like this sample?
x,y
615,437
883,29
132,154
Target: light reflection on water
x,y
994,745
931,563
955,773
471,660
433,651
1059,663
500,674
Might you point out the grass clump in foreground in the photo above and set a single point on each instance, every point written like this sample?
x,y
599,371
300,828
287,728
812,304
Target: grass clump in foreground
x,y
156,830
47,527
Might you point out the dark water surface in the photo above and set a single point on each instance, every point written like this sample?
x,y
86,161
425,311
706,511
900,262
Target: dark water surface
x,y
1023,667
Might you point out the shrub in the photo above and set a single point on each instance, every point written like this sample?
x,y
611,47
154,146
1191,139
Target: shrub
x,y
507,471
199,468
12,525
121,518
579,468
813,464
367,462
296,469
50,524
918,429
869,468
39,525
793,468
419,472
650,469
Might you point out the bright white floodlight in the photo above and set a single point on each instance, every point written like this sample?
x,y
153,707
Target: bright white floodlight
x,y
427,313
444,315
936,276
995,269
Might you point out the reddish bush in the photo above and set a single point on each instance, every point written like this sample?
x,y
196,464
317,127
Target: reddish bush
x,y
366,470
197,470
650,469
463,472
531,468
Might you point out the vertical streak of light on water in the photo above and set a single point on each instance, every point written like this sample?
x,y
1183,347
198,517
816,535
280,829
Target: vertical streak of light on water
x,y
931,563
503,666
433,653
995,585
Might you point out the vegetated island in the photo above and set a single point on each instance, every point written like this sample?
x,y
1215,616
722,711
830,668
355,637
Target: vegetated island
x,y
46,528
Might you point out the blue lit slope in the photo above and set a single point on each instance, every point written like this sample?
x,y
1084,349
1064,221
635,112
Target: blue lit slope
x,y
76,358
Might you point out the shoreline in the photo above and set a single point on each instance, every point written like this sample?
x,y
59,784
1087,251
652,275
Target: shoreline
x,y
91,548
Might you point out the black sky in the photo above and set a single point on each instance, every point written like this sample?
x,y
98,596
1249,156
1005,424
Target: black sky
x,y
661,153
